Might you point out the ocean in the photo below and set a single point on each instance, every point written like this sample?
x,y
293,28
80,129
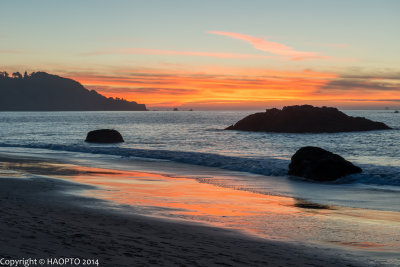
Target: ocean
x,y
199,138
245,161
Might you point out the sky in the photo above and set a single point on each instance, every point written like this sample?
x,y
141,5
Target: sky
x,y
213,54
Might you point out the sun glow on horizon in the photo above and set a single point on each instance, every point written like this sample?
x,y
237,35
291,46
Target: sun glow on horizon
x,y
240,88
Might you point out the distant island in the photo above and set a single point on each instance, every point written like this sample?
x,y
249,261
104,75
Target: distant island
x,y
40,91
305,119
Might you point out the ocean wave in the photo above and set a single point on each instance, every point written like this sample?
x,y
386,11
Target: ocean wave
x,y
376,175
372,174
265,166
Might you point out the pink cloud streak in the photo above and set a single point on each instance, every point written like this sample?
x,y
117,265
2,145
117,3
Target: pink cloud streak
x,y
271,47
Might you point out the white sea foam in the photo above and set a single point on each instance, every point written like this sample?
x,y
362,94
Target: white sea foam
x,y
268,166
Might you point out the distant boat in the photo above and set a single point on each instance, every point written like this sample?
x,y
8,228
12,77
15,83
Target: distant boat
x,y
175,109
396,111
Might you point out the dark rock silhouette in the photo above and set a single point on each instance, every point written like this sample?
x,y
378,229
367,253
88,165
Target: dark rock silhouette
x,y
175,109
320,165
305,119
41,91
396,111
104,136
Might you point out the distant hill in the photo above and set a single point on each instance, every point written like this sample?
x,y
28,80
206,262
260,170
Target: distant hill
x,y
40,91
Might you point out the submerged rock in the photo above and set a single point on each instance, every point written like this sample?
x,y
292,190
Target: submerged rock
x,y
104,136
305,119
320,165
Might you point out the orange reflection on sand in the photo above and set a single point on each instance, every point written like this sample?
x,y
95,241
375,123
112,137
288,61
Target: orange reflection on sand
x,y
362,244
263,215
185,195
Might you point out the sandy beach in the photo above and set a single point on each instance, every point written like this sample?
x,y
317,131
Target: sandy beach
x,y
43,219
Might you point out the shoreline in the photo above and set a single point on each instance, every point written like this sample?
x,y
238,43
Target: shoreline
x,y
44,218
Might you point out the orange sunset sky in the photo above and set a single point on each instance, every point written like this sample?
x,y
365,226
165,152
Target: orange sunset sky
x,y
213,54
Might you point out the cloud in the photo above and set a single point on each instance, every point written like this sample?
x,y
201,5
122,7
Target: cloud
x,y
377,75
145,51
362,87
378,100
155,87
143,90
245,81
243,86
272,47
364,84
384,80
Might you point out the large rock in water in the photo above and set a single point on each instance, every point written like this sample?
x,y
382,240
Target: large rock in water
x,y
320,165
104,136
305,119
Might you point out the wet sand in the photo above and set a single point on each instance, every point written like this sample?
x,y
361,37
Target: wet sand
x,y
41,218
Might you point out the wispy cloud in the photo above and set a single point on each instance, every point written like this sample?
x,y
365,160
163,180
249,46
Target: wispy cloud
x,y
272,47
143,90
383,80
377,75
225,87
378,100
364,84
145,51
156,87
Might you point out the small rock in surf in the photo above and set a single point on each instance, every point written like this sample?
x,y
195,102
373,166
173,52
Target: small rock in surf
x,y
320,165
104,136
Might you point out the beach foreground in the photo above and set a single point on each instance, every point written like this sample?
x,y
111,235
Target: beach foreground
x,y
42,219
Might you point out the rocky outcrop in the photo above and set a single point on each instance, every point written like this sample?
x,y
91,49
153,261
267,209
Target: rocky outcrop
x,y
40,91
104,136
320,165
305,119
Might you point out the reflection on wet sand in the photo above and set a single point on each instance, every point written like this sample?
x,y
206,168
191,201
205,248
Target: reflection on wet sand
x,y
40,167
183,195
274,217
